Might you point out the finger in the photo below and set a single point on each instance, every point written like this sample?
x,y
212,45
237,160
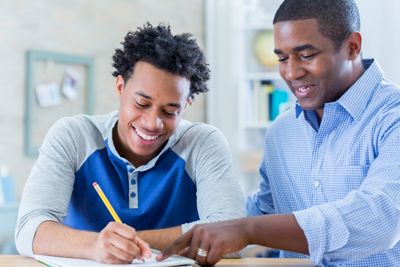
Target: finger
x,y
121,255
204,247
192,251
215,253
111,259
184,252
199,242
144,248
123,230
126,245
129,240
196,241
176,246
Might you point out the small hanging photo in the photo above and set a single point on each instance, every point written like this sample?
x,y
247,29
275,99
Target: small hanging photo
x,y
70,84
48,95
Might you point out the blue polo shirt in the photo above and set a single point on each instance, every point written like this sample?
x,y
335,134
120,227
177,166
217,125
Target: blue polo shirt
x,y
166,194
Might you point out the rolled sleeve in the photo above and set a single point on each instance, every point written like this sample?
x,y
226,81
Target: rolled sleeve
x,y
324,229
26,233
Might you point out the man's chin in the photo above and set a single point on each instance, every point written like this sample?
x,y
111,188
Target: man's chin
x,y
309,106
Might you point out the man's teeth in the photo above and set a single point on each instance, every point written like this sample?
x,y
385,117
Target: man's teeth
x,y
146,137
303,88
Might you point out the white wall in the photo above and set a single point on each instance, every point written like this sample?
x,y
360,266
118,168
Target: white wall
x,y
380,27
84,27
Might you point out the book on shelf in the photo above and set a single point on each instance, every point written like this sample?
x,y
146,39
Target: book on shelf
x,y
279,97
263,101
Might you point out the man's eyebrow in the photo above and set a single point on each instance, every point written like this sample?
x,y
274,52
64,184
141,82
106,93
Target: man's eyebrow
x,y
139,93
172,104
304,47
297,49
175,105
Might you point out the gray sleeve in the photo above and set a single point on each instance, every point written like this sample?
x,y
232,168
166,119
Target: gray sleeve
x,y
48,189
219,196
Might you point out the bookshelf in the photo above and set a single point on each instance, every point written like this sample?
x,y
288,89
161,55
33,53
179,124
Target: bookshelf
x,y
262,93
246,90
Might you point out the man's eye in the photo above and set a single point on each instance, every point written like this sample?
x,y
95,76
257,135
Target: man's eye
x,y
307,56
141,105
170,114
282,59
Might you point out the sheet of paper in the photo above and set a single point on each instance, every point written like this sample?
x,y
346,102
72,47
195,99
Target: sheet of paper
x,y
152,262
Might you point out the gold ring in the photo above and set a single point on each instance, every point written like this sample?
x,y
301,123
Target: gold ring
x,y
201,252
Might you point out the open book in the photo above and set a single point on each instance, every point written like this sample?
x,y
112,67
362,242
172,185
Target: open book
x,y
73,262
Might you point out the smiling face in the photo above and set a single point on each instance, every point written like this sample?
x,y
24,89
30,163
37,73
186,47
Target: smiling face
x,y
151,105
315,70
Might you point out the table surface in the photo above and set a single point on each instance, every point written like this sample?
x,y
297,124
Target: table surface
x,y
20,261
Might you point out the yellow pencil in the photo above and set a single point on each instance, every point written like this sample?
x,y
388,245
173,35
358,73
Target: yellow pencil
x,y
106,202
109,207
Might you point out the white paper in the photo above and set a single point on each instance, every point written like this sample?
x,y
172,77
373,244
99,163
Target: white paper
x,y
72,262
48,95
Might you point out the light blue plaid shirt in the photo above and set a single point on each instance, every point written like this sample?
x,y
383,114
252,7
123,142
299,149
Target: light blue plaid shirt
x,y
341,179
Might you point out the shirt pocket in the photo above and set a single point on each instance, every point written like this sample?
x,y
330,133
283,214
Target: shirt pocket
x,y
342,179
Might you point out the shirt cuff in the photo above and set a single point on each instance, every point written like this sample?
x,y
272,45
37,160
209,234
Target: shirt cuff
x,y
324,229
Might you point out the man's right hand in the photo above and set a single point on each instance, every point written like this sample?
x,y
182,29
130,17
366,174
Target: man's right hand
x,y
118,243
208,243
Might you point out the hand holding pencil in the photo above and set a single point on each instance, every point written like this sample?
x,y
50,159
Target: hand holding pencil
x,y
118,242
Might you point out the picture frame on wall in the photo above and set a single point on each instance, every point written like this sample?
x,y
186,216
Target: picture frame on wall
x,y
57,85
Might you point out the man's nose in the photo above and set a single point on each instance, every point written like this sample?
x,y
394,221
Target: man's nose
x,y
293,70
153,121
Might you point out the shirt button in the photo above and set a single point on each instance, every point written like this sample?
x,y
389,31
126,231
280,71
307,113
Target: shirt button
x,y
130,169
133,194
133,181
316,183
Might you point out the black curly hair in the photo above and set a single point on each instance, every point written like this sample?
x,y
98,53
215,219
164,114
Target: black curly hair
x,y
177,54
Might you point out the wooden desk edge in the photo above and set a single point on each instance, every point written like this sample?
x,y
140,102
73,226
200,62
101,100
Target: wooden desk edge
x,y
22,261
265,262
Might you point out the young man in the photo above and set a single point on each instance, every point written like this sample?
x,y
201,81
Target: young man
x,y
161,174
331,167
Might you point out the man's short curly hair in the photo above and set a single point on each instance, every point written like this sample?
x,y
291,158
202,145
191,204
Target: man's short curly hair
x,y
177,54
337,19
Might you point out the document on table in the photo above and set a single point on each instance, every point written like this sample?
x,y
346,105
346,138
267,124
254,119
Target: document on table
x,y
152,262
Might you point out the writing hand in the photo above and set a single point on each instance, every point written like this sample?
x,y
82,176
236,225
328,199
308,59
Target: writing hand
x,y
118,243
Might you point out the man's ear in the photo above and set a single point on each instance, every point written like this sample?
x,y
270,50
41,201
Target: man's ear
x,y
354,42
119,85
189,101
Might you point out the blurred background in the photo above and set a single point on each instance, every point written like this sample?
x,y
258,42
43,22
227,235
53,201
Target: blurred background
x,y
56,57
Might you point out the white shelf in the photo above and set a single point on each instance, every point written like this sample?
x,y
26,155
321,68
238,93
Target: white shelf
x,y
259,87
239,79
